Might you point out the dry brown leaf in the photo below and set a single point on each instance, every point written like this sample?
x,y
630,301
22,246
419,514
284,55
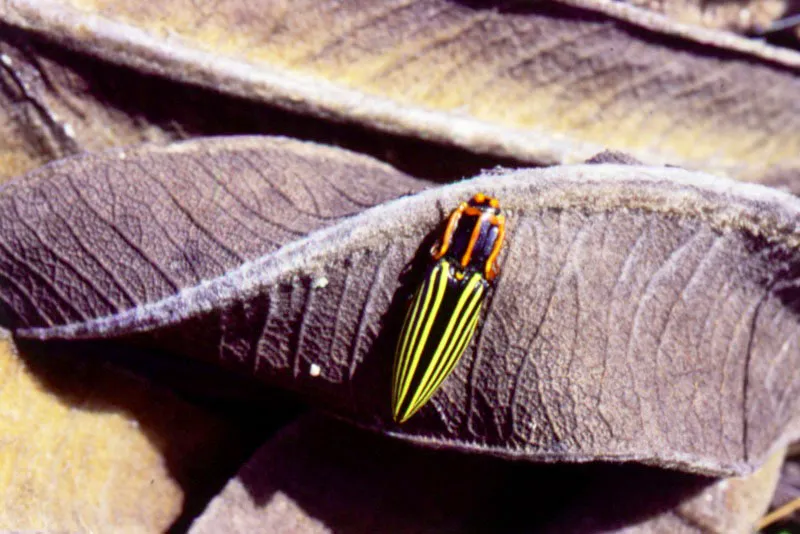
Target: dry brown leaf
x,y
87,448
52,106
744,16
788,490
148,440
544,82
318,476
55,103
644,313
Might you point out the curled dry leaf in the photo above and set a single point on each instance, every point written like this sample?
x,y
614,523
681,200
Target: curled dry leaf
x,y
303,481
55,102
93,448
745,16
545,82
643,313
788,490
133,228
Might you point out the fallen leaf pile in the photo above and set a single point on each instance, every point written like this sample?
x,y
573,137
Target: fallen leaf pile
x,y
199,325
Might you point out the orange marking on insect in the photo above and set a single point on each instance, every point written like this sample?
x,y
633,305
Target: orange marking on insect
x,y
466,208
490,270
448,233
473,211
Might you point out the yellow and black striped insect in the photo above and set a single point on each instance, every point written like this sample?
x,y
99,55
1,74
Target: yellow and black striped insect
x,y
444,311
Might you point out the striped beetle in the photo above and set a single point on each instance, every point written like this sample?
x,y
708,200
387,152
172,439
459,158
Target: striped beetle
x,y
444,312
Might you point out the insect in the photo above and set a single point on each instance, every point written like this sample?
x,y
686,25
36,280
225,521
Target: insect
x,y
443,314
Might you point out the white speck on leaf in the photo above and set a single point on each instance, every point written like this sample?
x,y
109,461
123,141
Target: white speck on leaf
x,y
319,283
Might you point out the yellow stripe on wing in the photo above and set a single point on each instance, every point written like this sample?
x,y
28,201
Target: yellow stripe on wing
x,y
421,323
413,321
451,346
456,347
455,356
401,359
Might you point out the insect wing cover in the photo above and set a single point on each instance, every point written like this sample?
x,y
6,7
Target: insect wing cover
x,y
438,327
